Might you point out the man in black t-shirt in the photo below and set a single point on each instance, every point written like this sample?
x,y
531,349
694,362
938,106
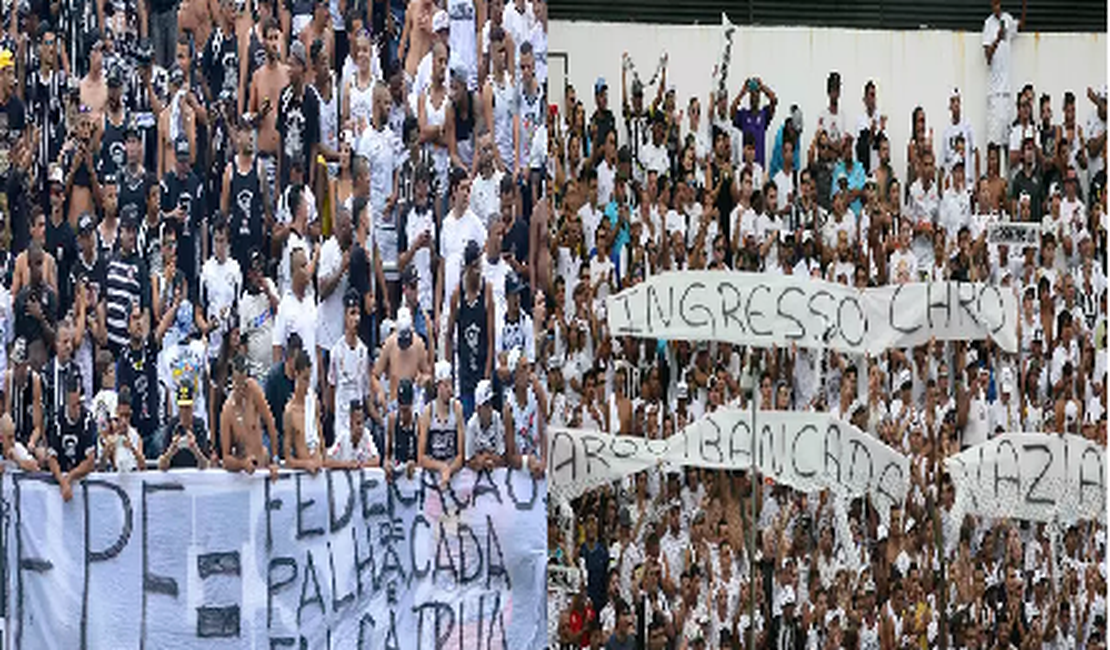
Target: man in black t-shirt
x,y
185,436
72,440
12,115
298,118
183,204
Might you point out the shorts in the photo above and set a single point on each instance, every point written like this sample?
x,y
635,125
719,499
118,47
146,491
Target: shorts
x,y
999,116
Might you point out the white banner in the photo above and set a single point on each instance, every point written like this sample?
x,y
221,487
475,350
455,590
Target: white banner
x,y
1033,476
1014,234
208,559
764,310
807,451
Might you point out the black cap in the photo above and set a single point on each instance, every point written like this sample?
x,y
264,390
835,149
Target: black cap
x,y
177,75
181,147
410,276
115,77
351,298
130,128
185,394
513,284
834,81
85,223
144,52
256,259
404,338
129,219
404,392
473,252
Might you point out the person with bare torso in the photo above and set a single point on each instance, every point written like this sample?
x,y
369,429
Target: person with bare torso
x,y
303,436
245,410
416,38
94,87
266,87
403,357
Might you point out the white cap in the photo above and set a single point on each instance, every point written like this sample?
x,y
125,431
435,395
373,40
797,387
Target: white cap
x,y
882,533
972,356
404,319
440,21
955,92
682,390
1071,411
386,328
55,174
786,597
483,393
910,523
904,377
443,371
514,357
833,614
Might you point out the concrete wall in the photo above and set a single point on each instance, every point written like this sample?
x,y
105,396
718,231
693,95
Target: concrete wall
x,y
909,68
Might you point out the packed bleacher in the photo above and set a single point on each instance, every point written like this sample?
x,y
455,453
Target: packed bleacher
x,y
647,182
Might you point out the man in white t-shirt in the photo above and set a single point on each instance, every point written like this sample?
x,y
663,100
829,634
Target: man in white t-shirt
x,y
348,367
831,119
220,283
464,38
297,312
1096,132
485,195
460,226
959,127
332,280
999,30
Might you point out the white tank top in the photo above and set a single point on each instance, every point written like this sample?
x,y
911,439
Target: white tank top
x,y
329,124
437,117
504,99
526,425
362,101
464,39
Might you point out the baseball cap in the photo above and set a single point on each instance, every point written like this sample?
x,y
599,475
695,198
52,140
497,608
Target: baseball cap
x,y
409,276
130,128
443,370
833,82
440,21
600,85
85,223
483,393
404,392
181,147
7,59
513,284
1071,412
1006,379
177,75
955,93
185,394
682,390
787,597
129,219
55,174
350,299
115,77
472,253
404,328
297,51
19,351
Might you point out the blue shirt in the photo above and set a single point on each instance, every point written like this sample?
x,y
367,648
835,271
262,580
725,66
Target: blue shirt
x,y
856,180
597,573
754,122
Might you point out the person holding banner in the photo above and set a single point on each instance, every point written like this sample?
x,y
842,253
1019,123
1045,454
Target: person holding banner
x,y
71,445
303,437
401,433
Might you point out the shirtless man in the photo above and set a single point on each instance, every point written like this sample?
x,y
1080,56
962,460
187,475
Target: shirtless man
x,y
266,86
167,132
620,407
539,249
80,172
195,17
416,37
240,434
21,273
319,28
94,87
303,445
403,357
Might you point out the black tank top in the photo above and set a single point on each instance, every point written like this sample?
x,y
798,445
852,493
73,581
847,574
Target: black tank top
x,y
246,212
442,443
113,151
473,339
23,407
404,441
132,194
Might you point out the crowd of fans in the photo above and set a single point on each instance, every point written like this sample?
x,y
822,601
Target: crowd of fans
x,y
673,557
249,234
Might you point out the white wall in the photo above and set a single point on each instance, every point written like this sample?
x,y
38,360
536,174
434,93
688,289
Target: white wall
x,y
910,68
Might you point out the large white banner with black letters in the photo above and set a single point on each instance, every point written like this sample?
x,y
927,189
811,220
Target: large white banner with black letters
x,y
764,310
207,559
1034,476
807,451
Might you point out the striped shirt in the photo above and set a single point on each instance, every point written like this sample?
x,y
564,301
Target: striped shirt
x,y
127,282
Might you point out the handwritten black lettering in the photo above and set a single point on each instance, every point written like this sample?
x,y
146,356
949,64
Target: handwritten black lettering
x,y
687,310
1047,451
800,333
